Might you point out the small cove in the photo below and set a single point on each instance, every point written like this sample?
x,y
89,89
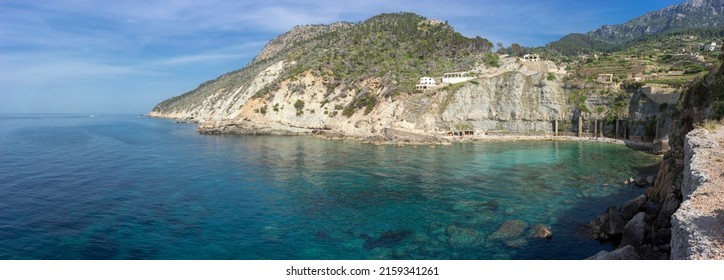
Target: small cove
x,y
126,187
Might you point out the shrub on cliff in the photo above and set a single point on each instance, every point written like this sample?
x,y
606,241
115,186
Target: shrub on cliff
x,y
299,105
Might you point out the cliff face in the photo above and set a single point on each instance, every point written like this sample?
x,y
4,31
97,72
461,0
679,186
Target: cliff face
x,y
698,224
357,80
684,170
506,101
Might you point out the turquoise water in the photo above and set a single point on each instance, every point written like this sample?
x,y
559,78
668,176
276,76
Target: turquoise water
x,y
127,187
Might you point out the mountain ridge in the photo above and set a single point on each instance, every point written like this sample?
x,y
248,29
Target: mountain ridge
x,y
687,17
689,14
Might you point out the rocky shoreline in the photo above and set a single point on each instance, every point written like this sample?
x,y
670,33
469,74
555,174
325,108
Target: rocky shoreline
x,y
672,219
392,136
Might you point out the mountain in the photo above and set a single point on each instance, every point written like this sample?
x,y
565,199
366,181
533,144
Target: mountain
x,y
358,79
689,17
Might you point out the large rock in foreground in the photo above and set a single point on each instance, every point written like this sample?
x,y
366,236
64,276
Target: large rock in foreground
x,y
697,230
626,253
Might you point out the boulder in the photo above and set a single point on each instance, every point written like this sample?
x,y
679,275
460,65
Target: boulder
x,y
647,252
634,231
509,230
624,253
540,231
663,236
663,219
651,209
462,237
632,206
607,225
616,224
641,182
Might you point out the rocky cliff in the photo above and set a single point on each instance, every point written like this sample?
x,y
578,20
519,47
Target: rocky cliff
x,y
682,210
358,81
690,14
698,224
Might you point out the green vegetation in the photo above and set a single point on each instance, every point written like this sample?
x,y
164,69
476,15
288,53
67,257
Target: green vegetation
x,y
399,48
463,126
718,109
491,60
577,98
366,101
576,43
618,108
709,125
551,76
299,105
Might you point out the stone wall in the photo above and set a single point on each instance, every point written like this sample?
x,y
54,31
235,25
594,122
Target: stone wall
x,y
698,225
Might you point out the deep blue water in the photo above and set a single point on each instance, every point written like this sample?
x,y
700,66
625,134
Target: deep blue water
x,y
128,187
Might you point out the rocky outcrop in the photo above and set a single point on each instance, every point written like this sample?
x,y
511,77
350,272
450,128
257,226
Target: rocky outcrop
x,y
698,224
509,101
625,253
634,228
633,232
540,231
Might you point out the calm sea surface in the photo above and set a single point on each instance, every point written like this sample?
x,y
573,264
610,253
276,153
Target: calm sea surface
x,y
128,187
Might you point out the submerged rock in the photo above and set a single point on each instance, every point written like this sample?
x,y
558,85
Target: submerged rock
x,y
516,243
387,239
509,230
641,182
540,231
461,237
609,225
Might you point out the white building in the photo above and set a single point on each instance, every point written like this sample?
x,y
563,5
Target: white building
x,y
711,46
456,77
531,57
426,83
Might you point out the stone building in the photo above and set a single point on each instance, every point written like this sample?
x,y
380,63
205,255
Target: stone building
x,y
605,78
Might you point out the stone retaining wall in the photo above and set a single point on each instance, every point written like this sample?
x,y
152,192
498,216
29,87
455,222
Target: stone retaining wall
x,y
698,225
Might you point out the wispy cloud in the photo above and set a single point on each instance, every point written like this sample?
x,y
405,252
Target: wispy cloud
x,y
47,44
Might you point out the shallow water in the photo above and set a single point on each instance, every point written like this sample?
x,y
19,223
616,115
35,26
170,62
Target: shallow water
x,y
127,187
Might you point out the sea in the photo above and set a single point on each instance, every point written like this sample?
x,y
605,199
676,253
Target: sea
x,y
76,186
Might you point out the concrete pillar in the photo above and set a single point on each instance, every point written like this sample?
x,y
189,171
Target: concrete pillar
x,y
580,125
555,127
615,134
600,130
595,128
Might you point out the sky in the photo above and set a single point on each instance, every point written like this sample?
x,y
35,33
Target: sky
x,y
108,56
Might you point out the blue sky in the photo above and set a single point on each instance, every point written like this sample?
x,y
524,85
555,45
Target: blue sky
x,y
91,56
